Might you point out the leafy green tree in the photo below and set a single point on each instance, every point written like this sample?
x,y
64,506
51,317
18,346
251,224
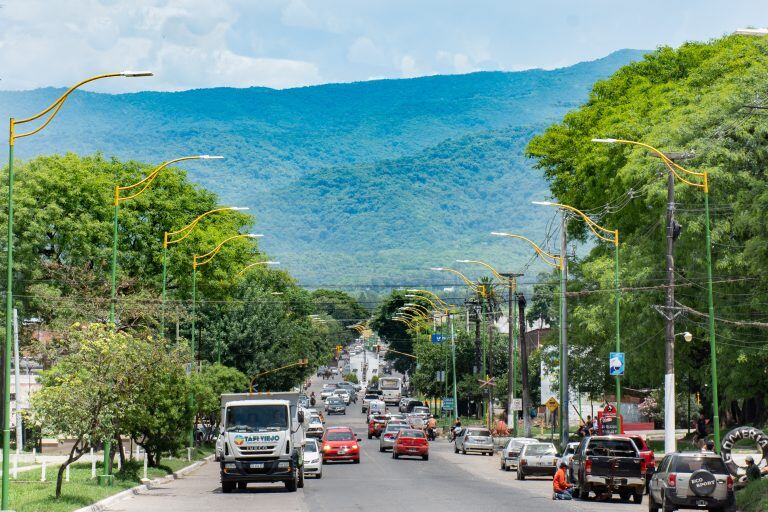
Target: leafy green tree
x,y
209,384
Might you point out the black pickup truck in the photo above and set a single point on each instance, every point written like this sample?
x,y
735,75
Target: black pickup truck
x,y
609,464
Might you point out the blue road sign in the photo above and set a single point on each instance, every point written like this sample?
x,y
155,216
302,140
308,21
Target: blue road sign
x,y
616,363
437,338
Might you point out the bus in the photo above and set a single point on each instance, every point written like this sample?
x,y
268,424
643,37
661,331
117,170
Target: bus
x,y
391,389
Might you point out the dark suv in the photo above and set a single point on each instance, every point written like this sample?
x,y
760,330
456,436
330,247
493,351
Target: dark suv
x,y
691,480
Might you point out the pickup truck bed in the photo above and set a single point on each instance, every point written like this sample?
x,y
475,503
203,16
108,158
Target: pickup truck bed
x,y
609,464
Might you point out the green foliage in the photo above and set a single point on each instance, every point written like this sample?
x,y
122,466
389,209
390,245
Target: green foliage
x,y
390,174
351,377
687,99
209,384
754,497
343,308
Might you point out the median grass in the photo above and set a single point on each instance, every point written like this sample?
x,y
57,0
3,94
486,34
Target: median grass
x,y
29,494
754,497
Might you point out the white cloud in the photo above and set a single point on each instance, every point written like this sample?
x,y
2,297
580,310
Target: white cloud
x,y
365,51
408,67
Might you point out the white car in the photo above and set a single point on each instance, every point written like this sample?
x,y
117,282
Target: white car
x,y
313,462
315,427
327,391
570,449
511,451
538,459
343,394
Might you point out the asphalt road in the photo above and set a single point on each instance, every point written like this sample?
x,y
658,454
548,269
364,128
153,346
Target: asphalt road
x,y
446,482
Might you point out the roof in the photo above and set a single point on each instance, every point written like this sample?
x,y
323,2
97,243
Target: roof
x,y
257,402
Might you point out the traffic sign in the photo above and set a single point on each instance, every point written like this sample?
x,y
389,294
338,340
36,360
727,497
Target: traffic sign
x,y
440,376
437,338
552,404
616,363
447,404
487,382
517,404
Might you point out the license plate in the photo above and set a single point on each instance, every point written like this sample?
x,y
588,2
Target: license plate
x,y
413,449
701,503
342,451
257,465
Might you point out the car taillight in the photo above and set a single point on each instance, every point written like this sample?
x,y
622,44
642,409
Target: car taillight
x,y
588,467
523,462
643,467
672,480
729,483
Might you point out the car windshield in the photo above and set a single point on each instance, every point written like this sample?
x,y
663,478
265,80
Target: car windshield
x,y
540,449
311,446
639,442
334,401
314,420
396,428
257,418
689,465
340,435
380,418
421,410
479,432
412,433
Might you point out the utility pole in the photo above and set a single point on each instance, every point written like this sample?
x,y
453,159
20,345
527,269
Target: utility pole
x,y
524,367
512,368
670,312
490,361
564,434
17,378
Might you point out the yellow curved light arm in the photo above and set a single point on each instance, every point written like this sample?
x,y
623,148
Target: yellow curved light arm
x,y
202,259
424,309
404,321
435,307
440,301
147,181
56,105
422,312
300,362
464,278
557,260
187,230
402,353
596,228
255,264
671,165
486,265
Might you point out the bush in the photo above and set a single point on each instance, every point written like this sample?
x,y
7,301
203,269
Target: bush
x,y
351,377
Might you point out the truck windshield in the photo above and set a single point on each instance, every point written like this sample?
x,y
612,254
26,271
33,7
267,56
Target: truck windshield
x,y
257,418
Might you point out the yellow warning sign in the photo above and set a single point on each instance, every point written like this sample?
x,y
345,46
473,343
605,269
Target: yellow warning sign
x,y
552,404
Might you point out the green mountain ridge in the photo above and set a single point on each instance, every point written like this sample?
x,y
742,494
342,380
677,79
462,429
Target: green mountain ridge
x,y
359,183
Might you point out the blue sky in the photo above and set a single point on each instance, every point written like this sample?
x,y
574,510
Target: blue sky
x,y
290,43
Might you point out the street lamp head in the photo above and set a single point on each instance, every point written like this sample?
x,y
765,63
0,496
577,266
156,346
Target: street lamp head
x,y
463,261
759,32
499,233
210,157
687,336
253,235
437,268
134,74
271,262
605,141
543,203
238,208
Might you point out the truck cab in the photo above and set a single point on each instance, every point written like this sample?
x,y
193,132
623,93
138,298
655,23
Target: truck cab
x,y
261,440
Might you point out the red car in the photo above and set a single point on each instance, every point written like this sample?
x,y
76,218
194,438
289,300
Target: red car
x,y
340,443
411,442
646,453
377,425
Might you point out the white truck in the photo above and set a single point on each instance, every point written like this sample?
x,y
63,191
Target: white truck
x,y
261,440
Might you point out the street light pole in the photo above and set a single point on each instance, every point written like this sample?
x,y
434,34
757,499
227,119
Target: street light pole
x,y
564,434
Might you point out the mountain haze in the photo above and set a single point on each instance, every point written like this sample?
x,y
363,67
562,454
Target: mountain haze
x,y
362,183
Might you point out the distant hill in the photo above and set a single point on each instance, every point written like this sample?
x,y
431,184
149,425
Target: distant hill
x,y
367,182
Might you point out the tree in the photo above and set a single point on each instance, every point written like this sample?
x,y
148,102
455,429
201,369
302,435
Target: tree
x,y
209,384
84,393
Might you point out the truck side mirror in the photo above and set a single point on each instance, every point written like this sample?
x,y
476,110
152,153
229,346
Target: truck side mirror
x,y
300,416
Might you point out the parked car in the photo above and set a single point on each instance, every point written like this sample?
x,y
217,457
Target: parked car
x,y
538,459
474,439
313,461
341,443
335,405
609,464
387,438
412,443
691,480
567,456
376,425
315,427
511,451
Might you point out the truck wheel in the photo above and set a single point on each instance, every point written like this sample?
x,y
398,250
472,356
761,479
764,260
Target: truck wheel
x,y
520,474
637,497
652,506
455,449
583,492
242,485
624,496
292,484
665,507
300,483
227,487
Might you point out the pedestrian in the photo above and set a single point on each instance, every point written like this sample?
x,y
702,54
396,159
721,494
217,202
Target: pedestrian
x,y
562,490
589,426
312,399
501,427
753,472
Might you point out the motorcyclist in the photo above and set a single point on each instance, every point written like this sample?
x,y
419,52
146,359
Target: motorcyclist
x,y
455,430
431,426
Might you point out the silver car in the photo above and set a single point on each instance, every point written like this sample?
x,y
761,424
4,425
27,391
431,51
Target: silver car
x,y
474,439
691,480
313,462
387,438
509,454
538,459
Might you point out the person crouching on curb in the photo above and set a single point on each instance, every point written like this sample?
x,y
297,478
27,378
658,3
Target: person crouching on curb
x,y
562,489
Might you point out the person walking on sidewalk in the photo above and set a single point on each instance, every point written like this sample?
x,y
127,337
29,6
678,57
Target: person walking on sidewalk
x,y
562,490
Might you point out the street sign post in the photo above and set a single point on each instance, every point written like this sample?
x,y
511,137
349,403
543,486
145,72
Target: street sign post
x,y
552,404
616,363
448,404
517,404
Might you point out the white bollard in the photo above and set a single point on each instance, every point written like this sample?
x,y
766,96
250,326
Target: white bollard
x,y
66,474
189,454
16,466
145,467
34,455
119,464
42,473
138,452
93,465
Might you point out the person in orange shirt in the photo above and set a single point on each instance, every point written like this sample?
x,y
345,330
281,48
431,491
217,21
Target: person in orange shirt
x,y
562,489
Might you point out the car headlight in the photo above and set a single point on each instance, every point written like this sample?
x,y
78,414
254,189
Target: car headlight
x,y
283,465
230,465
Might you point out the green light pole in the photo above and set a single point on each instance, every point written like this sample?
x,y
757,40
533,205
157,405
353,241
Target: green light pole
x,y
48,114
174,237
681,174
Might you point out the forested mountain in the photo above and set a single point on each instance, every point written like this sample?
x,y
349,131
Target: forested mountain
x,y
353,183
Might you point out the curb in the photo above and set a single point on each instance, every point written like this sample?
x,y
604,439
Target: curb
x,y
100,506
